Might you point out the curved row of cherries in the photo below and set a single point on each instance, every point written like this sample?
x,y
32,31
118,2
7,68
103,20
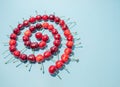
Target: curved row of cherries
x,y
44,38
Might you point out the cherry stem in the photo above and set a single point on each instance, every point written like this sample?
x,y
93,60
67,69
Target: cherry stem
x,y
5,52
72,24
23,50
9,60
43,68
77,39
33,50
19,64
15,61
75,33
43,30
78,46
27,65
36,12
58,57
11,27
58,76
6,56
77,60
30,67
66,69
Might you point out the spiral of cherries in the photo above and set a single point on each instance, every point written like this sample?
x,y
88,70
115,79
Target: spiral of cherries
x,y
43,40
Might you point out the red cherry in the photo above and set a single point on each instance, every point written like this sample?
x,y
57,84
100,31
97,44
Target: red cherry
x,y
45,37
27,43
38,17
12,48
34,45
59,64
52,69
50,27
39,26
12,42
47,54
70,38
32,28
23,57
38,35
57,20
42,44
31,58
13,36
32,19
69,44
25,38
16,53
62,22
51,17
53,49
64,58
67,32
16,31
57,36
39,58
64,27
57,42
20,26
25,22
45,17
27,33
54,31
45,25
68,51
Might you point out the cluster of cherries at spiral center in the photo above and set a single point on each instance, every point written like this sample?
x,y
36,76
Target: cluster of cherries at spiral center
x,y
43,40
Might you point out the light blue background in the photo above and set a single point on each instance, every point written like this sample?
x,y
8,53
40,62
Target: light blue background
x,y
98,23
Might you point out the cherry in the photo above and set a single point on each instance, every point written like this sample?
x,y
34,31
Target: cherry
x,y
68,51
57,36
27,43
67,32
70,38
39,58
16,53
27,33
45,17
62,22
45,37
54,31
69,44
13,36
38,17
25,38
32,19
64,27
31,58
64,58
39,26
25,22
52,69
47,54
12,42
38,35
45,25
59,64
16,31
51,17
20,26
34,45
50,27
42,44
12,48
53,49
32,28
23,57
57,42
57,20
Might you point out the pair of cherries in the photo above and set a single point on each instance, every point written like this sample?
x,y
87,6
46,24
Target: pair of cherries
x,y
44,39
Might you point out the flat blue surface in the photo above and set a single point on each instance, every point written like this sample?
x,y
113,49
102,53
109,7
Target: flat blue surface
x,y
98,25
